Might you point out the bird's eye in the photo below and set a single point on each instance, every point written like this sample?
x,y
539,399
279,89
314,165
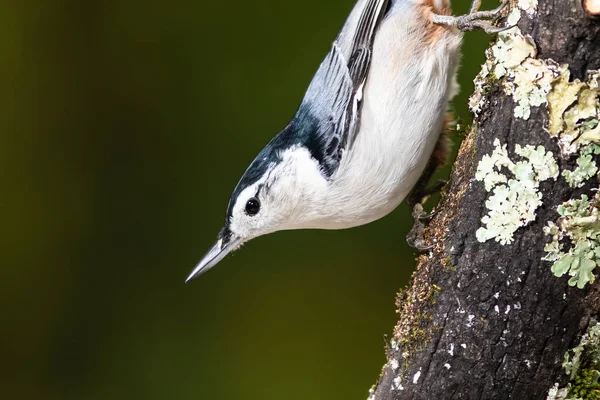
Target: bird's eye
x,y
252,206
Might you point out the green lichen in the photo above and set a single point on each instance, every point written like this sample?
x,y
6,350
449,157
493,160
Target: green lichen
x,y
512,58
582,365
573,119
531,84
586,168
586,353
573,105
579,225
574,111
511,48
515,197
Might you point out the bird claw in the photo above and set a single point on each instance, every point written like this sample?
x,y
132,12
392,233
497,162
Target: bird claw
x,y
415,237
475,20
424,217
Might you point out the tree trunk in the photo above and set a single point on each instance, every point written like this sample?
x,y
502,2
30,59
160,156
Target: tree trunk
x,y
486,316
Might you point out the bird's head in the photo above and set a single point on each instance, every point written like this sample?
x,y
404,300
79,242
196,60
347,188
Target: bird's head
x,y
278,191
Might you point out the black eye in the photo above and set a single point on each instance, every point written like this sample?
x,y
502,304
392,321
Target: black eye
x,y
252,206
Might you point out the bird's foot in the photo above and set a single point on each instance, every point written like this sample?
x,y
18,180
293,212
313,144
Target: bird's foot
x,y
416,236
475,20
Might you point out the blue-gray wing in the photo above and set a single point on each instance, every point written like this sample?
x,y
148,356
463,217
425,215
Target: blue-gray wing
x,y
328,117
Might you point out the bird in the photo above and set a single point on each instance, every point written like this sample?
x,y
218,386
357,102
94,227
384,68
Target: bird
x,y
368,131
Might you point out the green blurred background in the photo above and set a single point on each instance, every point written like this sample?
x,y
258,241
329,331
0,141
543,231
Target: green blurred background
x,y
124,126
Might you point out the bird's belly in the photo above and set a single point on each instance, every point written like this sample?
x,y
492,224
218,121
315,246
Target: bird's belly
x,y
404,105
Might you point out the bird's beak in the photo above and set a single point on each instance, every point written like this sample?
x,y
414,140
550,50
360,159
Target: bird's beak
x,y
225,245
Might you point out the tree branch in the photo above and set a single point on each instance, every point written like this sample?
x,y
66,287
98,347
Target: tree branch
x,y
485,316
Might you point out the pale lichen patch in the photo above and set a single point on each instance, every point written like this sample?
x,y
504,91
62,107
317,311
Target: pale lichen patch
x,y
556,393
574,111
514,199
582,365
526,79
397,383
514,17
579,223
588,351
531,82
371,394
529,6
416,377
510,51
530,86
586,167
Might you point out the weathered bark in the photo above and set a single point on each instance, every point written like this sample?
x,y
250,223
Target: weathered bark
x,y
486,320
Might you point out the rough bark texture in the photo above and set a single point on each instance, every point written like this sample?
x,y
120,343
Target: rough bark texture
x,y
485,320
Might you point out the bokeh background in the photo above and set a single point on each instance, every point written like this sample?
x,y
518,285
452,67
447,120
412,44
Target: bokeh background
x,y
124,126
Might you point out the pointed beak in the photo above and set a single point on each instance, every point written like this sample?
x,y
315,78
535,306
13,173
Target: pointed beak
x,y
225,245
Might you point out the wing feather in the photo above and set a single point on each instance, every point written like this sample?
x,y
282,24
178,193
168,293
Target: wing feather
x,y
329,114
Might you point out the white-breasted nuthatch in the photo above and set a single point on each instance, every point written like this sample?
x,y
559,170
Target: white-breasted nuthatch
x,y
365,132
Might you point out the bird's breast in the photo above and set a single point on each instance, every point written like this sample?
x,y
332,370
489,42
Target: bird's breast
x,y
410,81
